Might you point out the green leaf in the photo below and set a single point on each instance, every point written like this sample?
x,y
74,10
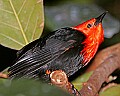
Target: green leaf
x,y
78,82
21,22
29,88
112,91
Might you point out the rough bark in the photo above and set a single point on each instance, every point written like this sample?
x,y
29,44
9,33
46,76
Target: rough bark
x,y
107,61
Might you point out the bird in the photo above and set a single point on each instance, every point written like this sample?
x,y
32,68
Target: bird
x,y
68,49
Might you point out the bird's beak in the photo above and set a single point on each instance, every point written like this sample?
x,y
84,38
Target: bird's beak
x,y
100,18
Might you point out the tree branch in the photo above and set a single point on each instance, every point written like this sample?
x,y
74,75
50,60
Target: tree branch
x,y
107,61
2,75
59,78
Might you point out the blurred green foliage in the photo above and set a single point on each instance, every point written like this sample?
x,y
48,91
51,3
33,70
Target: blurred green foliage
x,y
29,88
78,82
112,91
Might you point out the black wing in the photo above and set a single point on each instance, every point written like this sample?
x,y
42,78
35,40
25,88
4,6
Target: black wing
x,y
59,50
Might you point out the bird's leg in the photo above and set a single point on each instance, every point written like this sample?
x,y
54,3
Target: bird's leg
x,y
59,78
3,75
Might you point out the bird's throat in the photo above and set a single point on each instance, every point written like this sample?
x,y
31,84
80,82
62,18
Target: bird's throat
x,y
89,50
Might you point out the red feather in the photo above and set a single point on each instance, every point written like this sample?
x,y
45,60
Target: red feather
x,y
94,37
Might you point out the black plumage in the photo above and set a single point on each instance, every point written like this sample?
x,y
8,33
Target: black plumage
x,y
60,50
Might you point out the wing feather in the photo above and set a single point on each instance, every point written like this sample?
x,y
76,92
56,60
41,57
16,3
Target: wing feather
x,y
31,62
56,51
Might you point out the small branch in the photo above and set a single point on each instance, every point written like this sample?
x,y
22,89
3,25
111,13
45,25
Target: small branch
x,y
2,75
59,78
109,61
108,86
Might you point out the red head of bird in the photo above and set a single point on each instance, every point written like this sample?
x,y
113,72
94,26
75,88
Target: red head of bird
x,y
93,31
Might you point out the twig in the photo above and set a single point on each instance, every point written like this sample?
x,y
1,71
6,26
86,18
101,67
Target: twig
x,y
108,86
59,78
2,75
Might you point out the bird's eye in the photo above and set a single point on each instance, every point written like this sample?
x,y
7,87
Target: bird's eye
x,y
89,25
